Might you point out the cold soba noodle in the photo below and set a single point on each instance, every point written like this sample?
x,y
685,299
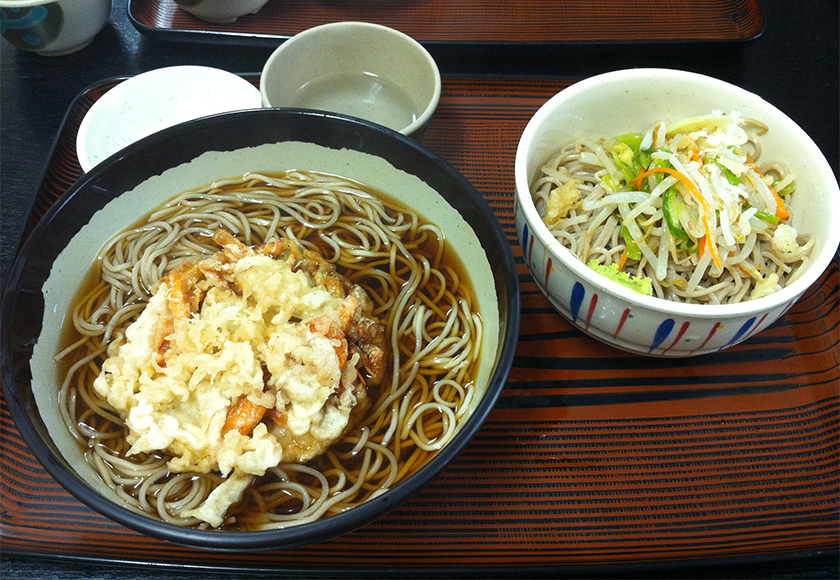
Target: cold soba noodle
x,y
432,335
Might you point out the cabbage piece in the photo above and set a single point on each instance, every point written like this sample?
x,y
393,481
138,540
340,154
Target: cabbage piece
x,y
638,285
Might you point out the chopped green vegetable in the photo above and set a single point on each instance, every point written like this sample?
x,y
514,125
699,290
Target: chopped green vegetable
x,y
688,246
633,251
768,217
636,284
762,215
627,156
662,162
610,185
623,157
786,190
632,140
672,206
644,159
730,177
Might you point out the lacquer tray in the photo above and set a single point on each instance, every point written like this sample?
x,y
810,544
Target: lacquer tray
x,y
591,458
485,22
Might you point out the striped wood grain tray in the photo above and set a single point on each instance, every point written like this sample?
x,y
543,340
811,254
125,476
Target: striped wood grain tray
x,y
592,457
486,22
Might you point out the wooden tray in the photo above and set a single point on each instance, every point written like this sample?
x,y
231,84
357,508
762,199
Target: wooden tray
x,y
486,22
592,457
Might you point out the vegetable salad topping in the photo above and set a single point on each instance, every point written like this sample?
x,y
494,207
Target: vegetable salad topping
x,y
683,203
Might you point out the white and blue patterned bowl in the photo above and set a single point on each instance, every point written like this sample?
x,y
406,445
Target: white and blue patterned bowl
x,y
627,100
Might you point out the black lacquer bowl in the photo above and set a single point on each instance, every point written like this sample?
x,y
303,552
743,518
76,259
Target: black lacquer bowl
x,y
58,251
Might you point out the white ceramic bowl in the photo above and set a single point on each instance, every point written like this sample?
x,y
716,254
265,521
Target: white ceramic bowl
x,y
221,11
630,100
155,100
355,68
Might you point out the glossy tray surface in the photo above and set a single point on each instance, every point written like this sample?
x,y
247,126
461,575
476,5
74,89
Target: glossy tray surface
x,y
591,456
482,22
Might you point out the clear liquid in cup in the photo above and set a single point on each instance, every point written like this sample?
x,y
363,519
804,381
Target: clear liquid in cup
x,y
359,94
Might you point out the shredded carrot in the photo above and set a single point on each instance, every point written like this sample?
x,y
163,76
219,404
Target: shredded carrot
x,y
623,259
707,209
781,210
695,155
701,246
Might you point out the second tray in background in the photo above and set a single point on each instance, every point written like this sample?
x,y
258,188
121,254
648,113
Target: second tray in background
x,y
465,22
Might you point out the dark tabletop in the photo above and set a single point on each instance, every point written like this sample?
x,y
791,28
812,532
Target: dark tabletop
x,y
793,65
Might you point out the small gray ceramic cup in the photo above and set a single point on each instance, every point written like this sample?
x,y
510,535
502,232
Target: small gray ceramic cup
x,y
53,27
355,68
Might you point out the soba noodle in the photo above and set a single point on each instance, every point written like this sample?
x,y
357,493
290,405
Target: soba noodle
x,y
432,327
683,204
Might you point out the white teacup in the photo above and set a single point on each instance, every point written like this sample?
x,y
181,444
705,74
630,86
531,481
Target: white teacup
x,y
53,27
220,11
360,69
